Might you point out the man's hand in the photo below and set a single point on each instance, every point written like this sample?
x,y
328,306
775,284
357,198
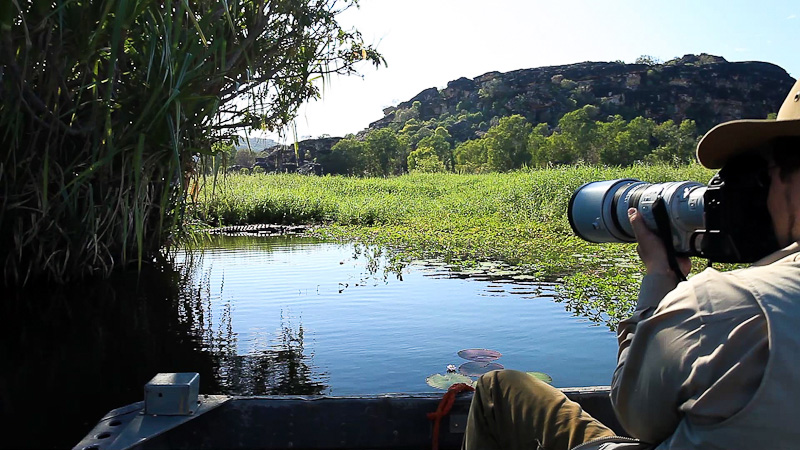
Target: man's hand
x,y
651,249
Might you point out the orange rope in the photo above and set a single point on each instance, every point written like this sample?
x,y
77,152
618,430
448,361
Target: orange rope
x,y
445,405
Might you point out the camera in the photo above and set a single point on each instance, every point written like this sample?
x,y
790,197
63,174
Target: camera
x,y
726,220
598,211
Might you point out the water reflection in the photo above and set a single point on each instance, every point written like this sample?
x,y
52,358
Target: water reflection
x,y
280,370
71,354
275,363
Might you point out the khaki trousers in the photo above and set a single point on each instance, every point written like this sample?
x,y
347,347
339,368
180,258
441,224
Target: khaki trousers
x,y
513,410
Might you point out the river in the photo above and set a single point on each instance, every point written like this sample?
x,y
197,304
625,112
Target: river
x,y
285,315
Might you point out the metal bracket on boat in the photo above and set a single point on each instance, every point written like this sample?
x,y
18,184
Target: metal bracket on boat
x,y
171,399
172,394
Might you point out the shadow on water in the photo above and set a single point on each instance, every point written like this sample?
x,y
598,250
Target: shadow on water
x,y
71,354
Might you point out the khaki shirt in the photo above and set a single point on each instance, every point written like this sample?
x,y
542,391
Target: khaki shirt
x,y
679,355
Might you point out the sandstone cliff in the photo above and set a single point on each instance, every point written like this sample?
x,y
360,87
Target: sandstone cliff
x,y
705,88
702,87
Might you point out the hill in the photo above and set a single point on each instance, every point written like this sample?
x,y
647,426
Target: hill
x,y
705,88
702,90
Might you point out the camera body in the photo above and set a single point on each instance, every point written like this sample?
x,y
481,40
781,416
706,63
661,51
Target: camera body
x,y
724,221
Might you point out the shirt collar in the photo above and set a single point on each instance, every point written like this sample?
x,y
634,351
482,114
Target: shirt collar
x,y
794,247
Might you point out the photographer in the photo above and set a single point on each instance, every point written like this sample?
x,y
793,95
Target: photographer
x,y
702,364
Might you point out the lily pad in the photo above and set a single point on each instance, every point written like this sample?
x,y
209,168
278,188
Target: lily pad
x,y
523,277
504,273
479,354
541,376
474,368
444,382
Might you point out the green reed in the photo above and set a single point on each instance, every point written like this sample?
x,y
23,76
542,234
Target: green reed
x,y
106,105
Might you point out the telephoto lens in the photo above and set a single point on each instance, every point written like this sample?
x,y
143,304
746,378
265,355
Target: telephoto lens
x,y
598,211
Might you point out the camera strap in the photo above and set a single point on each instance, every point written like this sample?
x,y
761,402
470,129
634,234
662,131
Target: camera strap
x,y
664,231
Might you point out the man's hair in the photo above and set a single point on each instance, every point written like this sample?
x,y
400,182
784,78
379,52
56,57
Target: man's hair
x,y
786,155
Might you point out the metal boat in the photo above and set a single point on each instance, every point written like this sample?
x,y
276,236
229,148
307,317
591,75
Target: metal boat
x,y
174,416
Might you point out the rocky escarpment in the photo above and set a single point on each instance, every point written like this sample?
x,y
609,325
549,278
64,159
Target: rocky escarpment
x,y
302,159
705,88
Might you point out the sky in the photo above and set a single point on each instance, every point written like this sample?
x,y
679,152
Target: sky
x,y
428,43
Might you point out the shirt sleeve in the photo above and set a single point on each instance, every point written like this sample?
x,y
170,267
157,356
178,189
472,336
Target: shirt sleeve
x,y
650,372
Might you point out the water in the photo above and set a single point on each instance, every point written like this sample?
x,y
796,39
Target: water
x,y
367,331
271,316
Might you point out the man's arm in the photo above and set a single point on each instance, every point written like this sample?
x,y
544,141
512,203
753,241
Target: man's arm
x,y
652,370
646,381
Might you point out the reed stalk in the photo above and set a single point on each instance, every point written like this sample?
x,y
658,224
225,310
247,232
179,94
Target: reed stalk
x,y
106,106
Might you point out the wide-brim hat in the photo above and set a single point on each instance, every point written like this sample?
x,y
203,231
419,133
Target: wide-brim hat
x,y
738,136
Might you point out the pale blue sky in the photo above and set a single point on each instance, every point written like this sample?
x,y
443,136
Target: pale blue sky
x,y
430,42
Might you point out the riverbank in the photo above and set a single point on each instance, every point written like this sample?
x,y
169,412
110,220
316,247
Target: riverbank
x,y
518,218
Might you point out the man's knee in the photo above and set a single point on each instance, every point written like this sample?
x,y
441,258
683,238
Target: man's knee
x,y
508,381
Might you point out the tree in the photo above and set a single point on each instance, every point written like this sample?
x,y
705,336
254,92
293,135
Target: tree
x,y
245,158
224,154
492,89
415,133
559,149
105,103
577,138
687,141
406,114
676,143
425,159
411,126
471,156
439,142
507,143
607,133
347,157
537,145
648,60
385,153
627,144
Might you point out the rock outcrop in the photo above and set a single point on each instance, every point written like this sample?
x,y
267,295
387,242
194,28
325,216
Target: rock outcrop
x,y
705,88
303,159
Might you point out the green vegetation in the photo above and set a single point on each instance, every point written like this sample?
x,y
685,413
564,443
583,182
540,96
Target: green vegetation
x,y
513,143
105,105
517,217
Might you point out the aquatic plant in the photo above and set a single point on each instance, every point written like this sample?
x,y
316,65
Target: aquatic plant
x,y
105,106
541,376
475,369
444,382
481,355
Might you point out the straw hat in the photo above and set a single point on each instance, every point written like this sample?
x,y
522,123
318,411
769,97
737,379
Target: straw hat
x,y
731,138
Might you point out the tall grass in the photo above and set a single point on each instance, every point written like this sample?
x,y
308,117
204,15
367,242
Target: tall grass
x,y
511,216
105,104
523,197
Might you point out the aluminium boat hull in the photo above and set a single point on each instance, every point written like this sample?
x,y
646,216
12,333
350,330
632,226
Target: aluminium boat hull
x,y
390,421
